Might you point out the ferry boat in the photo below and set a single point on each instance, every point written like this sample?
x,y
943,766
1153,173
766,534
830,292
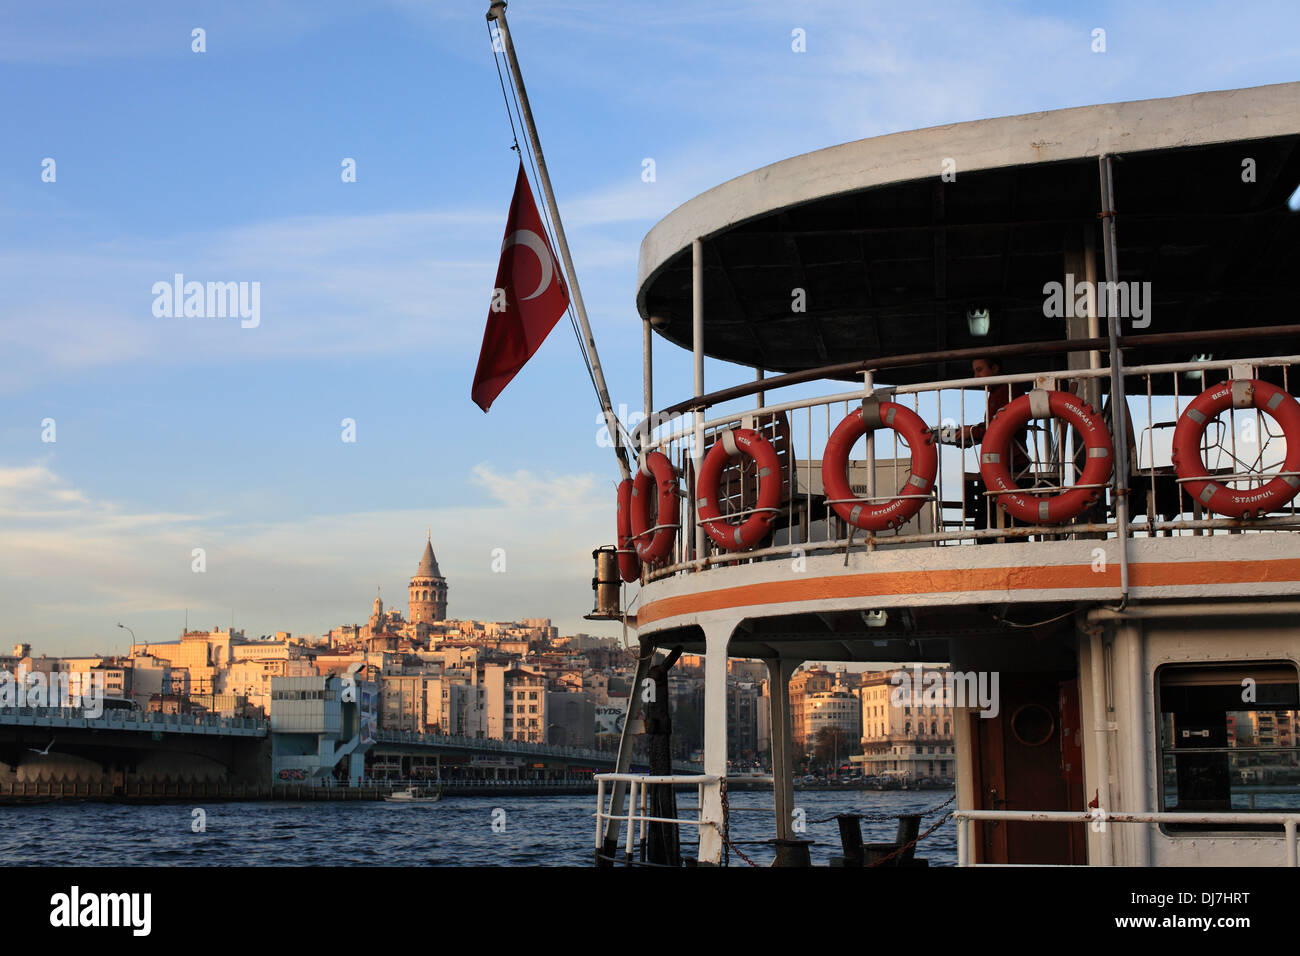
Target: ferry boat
x,y
926,466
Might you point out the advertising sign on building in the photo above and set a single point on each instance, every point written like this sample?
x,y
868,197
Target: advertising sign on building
x,y
609,720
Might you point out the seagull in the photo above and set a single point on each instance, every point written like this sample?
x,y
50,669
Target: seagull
x,y
46,751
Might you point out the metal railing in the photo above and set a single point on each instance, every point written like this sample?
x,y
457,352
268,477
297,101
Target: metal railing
x,y
1239,452
637,811
967,818
75,717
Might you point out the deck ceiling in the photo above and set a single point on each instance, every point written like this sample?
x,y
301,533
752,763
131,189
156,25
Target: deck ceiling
x,y
894,269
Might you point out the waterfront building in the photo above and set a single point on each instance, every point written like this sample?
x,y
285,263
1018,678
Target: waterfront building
x,y
318,736
910,740
803,684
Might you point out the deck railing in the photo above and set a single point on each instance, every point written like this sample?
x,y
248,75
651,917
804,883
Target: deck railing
x,y
1242,449
966,818
637,811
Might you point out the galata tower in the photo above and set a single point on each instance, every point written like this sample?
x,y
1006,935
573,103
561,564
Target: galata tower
x,y
428,589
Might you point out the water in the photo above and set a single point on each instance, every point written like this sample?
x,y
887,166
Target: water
x,y
456,831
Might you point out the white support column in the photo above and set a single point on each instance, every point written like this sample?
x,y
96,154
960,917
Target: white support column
x,y
717,634
779,672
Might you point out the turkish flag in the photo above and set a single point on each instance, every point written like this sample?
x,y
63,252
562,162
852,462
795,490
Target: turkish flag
x,y
529,298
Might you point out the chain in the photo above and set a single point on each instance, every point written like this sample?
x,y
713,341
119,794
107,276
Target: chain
x,y
941,821
884,817
726,830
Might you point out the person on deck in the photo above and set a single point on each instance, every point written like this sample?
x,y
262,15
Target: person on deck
x,y
999,396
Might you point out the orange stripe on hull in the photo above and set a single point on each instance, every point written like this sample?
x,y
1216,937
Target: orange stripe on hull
x,y
1051,577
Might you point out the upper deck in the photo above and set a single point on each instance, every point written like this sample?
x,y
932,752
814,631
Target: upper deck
x,y
894,238
866,262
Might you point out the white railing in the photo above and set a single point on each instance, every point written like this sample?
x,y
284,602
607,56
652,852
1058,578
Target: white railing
x,y
637,812
967,818
1239,453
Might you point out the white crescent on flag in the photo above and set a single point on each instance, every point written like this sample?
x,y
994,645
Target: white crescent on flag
x,y
526,237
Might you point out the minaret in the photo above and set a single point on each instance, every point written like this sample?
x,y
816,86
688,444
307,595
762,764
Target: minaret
x,y
428,589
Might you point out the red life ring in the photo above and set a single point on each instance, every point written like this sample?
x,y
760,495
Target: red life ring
x,y
1054,509
835,467
654,543
1241,393
629,566
734,442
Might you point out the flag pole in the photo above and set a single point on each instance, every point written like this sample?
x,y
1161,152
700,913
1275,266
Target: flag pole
x,y
497,12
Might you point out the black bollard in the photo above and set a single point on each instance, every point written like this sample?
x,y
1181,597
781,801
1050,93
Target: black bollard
x,y
909,825
851,838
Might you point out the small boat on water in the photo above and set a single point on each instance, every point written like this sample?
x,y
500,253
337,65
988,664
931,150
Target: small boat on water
x,y
414,795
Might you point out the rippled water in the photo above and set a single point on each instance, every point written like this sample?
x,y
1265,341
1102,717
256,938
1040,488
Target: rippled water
x,y
539,831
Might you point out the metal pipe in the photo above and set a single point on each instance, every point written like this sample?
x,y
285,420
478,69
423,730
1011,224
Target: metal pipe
x,y
1289,608
1138,722
1100,735
989,382
697,348
846,369
758,377
497,12
647,375
1118,402
1094,321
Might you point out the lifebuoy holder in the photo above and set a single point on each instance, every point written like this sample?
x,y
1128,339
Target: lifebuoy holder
x,y
1190,467
654,542
916,491
995,456
733,443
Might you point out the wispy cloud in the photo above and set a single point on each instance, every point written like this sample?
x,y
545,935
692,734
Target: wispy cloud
x,y
72,566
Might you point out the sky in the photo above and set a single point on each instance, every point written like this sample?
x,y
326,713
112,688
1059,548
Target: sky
x,y
172,434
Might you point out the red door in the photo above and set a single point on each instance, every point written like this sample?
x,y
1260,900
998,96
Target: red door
x,y
1028,758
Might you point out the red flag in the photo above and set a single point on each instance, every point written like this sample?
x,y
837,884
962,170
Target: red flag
x,y
529,298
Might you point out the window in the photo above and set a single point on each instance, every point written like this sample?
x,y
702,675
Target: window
x,y
1227,741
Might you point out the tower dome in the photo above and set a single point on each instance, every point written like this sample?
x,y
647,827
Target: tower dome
x,y
428,591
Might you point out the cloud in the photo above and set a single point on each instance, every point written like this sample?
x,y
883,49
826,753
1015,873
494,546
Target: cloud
x,y
73,566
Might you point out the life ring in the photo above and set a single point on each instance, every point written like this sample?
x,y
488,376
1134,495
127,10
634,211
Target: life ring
x,y
654,543
629,565
1240,393
734,442
835,466
995,454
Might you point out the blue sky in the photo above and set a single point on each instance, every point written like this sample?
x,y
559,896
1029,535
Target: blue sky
x,y
175,434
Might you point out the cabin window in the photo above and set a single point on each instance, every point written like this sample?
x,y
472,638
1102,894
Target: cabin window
x,y
1228,740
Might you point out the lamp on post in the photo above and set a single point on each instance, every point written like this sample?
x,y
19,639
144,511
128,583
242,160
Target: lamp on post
x,y
125,628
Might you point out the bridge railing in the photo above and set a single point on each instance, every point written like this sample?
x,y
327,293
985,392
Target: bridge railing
x,y
493,744
132,720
